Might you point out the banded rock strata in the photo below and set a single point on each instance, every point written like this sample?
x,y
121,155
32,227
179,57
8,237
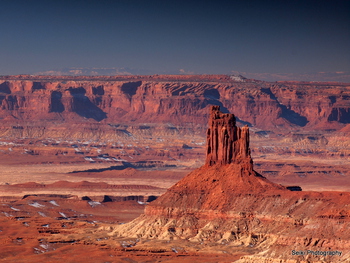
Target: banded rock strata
x,y
226,201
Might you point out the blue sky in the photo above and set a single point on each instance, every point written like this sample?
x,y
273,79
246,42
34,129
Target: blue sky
x,y
272,40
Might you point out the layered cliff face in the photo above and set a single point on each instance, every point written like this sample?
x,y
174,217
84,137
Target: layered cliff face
x,y
226,201
180,101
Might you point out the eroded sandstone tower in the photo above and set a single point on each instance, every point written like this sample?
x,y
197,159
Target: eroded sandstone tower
x,y
211,189
226,143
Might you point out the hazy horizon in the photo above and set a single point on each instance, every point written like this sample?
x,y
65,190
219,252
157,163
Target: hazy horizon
x,y
268,40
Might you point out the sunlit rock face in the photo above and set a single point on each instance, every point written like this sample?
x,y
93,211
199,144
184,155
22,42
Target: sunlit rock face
x,y
180,100
225,200
226,143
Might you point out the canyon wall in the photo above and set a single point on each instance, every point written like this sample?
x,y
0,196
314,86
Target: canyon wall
x,y
265,106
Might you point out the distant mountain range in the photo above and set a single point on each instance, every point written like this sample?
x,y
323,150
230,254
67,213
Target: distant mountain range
x,y
95,72
339,76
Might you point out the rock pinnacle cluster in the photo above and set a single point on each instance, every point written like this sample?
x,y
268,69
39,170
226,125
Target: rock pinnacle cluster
x,y
226,143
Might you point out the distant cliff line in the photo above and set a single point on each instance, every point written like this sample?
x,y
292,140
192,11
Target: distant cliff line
x,y
176,99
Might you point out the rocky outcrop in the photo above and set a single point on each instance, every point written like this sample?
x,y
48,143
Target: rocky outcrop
x,y
226,143
226,201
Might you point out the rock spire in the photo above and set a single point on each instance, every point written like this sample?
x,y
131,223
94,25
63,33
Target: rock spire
x,y
226,143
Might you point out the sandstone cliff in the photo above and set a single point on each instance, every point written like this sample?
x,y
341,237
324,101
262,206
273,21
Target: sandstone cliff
x,y
226,201
28,101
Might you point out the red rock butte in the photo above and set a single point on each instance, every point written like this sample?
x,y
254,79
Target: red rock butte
x,y
227,202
